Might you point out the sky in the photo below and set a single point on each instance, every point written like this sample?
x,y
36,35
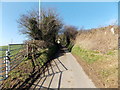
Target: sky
x,y
86,14
11,12
80,14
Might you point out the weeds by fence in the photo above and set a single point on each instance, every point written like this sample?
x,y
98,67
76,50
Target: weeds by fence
x,y
26,60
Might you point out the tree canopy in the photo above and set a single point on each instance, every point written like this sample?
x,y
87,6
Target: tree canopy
x,y
44,26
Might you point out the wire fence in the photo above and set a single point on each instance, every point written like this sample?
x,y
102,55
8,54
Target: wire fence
x,y
11,56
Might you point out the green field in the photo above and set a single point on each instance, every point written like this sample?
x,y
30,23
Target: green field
x,y
2,53
12,47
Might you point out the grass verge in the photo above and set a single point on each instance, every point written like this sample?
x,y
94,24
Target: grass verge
x,y
87,55
101,68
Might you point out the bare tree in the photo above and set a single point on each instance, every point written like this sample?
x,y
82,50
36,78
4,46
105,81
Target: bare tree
x,y
44,26
29,24
50,24
42,30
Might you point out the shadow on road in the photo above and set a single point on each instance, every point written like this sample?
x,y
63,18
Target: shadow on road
x,y
49,70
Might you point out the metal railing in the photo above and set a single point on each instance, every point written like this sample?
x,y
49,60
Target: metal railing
x,y
11,57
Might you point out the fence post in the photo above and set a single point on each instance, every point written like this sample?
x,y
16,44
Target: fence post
x,y
27,50
7,61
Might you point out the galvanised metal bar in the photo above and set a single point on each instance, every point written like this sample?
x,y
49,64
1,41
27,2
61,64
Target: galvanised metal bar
x,y
16,49
11,60
16,44
3,49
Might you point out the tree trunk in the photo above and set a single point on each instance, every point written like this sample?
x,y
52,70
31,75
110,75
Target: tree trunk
x,y
68,41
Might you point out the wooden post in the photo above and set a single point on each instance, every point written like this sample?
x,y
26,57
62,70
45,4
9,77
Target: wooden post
x,y
27,50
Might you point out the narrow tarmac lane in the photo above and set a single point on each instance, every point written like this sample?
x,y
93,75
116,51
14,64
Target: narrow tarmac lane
x,y
64,72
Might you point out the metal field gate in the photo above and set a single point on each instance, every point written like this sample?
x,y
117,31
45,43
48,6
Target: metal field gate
x,y
10,57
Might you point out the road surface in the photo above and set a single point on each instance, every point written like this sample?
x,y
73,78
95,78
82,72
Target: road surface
x,y
64,72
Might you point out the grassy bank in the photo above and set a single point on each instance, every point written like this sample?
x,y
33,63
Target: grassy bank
x,y
102,66
87,55
25,69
